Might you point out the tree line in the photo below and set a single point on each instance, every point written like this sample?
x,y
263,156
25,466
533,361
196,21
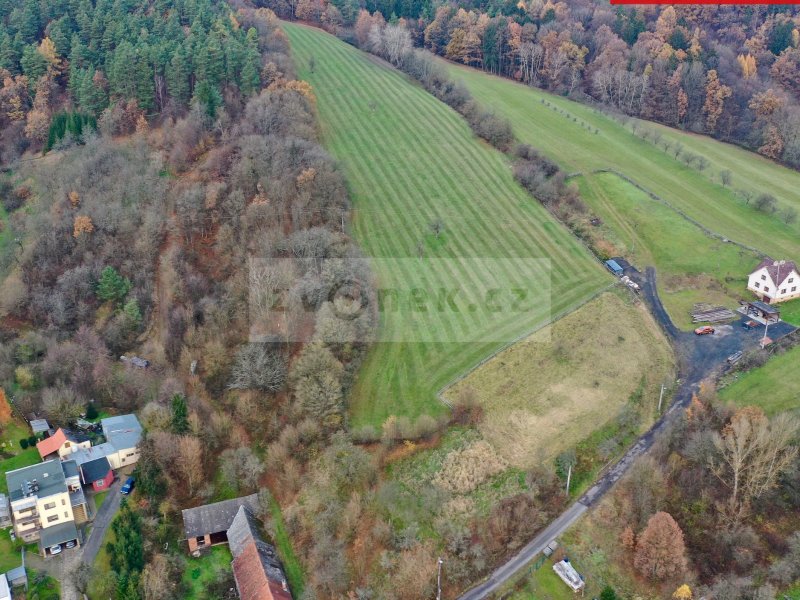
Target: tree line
x,y
730,73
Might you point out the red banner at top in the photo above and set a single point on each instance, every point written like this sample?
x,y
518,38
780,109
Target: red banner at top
x,y
716,2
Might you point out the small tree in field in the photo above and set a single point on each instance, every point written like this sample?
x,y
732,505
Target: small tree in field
x,y
437,227
660,550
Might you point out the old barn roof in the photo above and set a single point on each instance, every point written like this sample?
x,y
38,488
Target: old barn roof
x,y
258,573
213,518
243,529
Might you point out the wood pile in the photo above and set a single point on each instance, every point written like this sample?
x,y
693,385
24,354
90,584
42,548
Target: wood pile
x,y
708,313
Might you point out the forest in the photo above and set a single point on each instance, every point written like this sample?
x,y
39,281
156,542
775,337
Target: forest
x,y
729,72
165,189
116,62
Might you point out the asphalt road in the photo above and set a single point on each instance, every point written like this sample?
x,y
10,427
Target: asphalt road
x,y
698,357
503,573
101,522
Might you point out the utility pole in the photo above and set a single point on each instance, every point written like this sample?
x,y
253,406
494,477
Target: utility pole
x,y
660,398
439,581
569,477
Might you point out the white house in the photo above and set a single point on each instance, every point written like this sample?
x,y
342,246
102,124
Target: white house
x,y
123,434
775,281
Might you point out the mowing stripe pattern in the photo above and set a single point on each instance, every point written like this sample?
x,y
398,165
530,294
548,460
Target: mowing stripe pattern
x,y
409,160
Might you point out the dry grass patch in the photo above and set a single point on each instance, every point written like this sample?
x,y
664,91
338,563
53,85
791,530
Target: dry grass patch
x,y
465,469
548,392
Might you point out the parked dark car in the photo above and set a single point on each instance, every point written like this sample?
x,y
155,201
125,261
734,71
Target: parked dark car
x,y
750,324
127,487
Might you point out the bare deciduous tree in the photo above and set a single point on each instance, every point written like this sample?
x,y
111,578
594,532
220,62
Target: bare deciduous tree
x,y
753,452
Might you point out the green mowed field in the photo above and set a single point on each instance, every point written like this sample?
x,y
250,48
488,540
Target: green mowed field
x,y
768,386
749,171
410,160
692,266
565,131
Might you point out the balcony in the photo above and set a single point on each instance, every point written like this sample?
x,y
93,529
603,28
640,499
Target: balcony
x,y
27,518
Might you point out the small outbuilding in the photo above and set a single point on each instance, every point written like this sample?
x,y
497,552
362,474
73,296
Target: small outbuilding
x,y
39,426
17,577
97,473
762,310
569,575
614,267
5,512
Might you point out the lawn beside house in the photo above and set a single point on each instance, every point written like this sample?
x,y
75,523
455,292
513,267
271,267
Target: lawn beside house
x,y
202,571
544,584
99,498
291,564
790,311
767,386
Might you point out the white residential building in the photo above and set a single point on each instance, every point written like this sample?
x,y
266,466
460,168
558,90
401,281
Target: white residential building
x,y
775,281
45,501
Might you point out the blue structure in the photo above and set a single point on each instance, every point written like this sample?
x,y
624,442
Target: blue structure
x,y
614,267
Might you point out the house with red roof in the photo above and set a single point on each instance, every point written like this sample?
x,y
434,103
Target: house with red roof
x,y
63,443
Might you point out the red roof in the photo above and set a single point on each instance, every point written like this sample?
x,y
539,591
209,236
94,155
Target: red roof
x,y
50,445
773,270
251,577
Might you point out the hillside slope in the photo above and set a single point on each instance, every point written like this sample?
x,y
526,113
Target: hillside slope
x,y
410,160
554,125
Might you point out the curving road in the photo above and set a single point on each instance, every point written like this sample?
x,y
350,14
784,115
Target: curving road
x,y
698,357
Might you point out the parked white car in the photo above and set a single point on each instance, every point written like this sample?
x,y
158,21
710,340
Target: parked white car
x,y
55,549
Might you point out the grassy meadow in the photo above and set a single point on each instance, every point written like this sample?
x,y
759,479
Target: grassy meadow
x,y
409,161
768,386
547,393
581,139
692,266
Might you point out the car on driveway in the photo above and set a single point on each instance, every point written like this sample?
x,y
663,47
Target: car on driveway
x,y
750,324
127,487
704,330
55,549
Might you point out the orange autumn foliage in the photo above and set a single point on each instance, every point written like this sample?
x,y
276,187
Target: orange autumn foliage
x,y
5,408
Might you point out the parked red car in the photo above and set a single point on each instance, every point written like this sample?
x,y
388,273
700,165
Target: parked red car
x,y
704,330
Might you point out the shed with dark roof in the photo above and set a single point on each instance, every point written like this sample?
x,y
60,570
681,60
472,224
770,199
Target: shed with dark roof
x,y
97,473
